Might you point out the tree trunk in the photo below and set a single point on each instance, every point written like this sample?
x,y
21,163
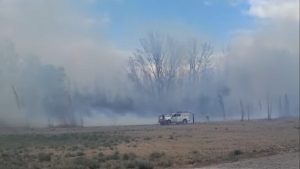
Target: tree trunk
x,y
221,102
286,105
260,106
249,109
242,110
280,106
269,105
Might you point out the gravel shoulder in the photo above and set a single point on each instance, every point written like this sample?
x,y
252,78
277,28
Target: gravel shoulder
x,y
280,161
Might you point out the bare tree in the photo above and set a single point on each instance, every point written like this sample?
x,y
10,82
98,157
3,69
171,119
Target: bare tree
x,y
73,121
159,60
50,123
260,106
224,91
242,110
199,58
249,110
19,103
286,105
279,106
221,102
298,107
17,98
164,67
155,65
269,106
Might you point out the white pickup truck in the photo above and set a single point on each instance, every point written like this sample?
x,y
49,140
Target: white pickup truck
x,y
176,118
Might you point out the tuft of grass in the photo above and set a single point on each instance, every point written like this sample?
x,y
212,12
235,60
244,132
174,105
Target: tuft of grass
x,y
156,155
85,162
147,138
70,154
125,156
130,164
80,153
234,155
44,157
237,152
160,159
171,137
129,156
100,154
144,164
195,157
165,163
114,156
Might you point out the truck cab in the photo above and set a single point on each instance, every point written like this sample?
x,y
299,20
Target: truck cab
x,y
165,119
180,117
176,118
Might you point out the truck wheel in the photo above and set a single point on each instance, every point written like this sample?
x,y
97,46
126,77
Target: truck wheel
x,y
184,121
168,122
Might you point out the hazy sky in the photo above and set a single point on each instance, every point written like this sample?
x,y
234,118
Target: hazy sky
x,y
120,23
123,19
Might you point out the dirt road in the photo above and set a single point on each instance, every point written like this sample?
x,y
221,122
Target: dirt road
x,y
280,161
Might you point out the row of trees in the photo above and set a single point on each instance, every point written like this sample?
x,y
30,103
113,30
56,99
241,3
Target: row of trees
x,y
170,75
281,105
37,90
165,75
162,64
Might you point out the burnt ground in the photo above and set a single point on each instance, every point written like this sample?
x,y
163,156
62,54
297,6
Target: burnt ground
x,y
147,146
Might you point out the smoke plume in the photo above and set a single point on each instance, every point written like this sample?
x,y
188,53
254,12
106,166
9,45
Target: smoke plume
x,y
57,68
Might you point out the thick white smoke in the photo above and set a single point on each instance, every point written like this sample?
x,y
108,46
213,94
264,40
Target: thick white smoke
x,y
55,49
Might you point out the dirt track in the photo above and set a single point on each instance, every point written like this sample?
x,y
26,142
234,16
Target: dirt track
x,y
280,161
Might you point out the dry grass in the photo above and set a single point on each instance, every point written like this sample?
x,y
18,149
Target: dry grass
x,y
150,146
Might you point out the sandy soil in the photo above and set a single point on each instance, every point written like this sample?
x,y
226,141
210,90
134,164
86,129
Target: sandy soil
x,y
280,161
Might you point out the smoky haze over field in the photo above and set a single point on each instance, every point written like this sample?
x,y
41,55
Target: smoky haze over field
x,y
57,67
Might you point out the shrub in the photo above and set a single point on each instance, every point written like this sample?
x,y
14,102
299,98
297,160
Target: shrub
x,y
74,148
125,156
89,163
80,153
237,152
195,157
70,155
234,155
129,156
156,155
42,157
165,163
144,164
100,154
130,164
115,156
147,138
